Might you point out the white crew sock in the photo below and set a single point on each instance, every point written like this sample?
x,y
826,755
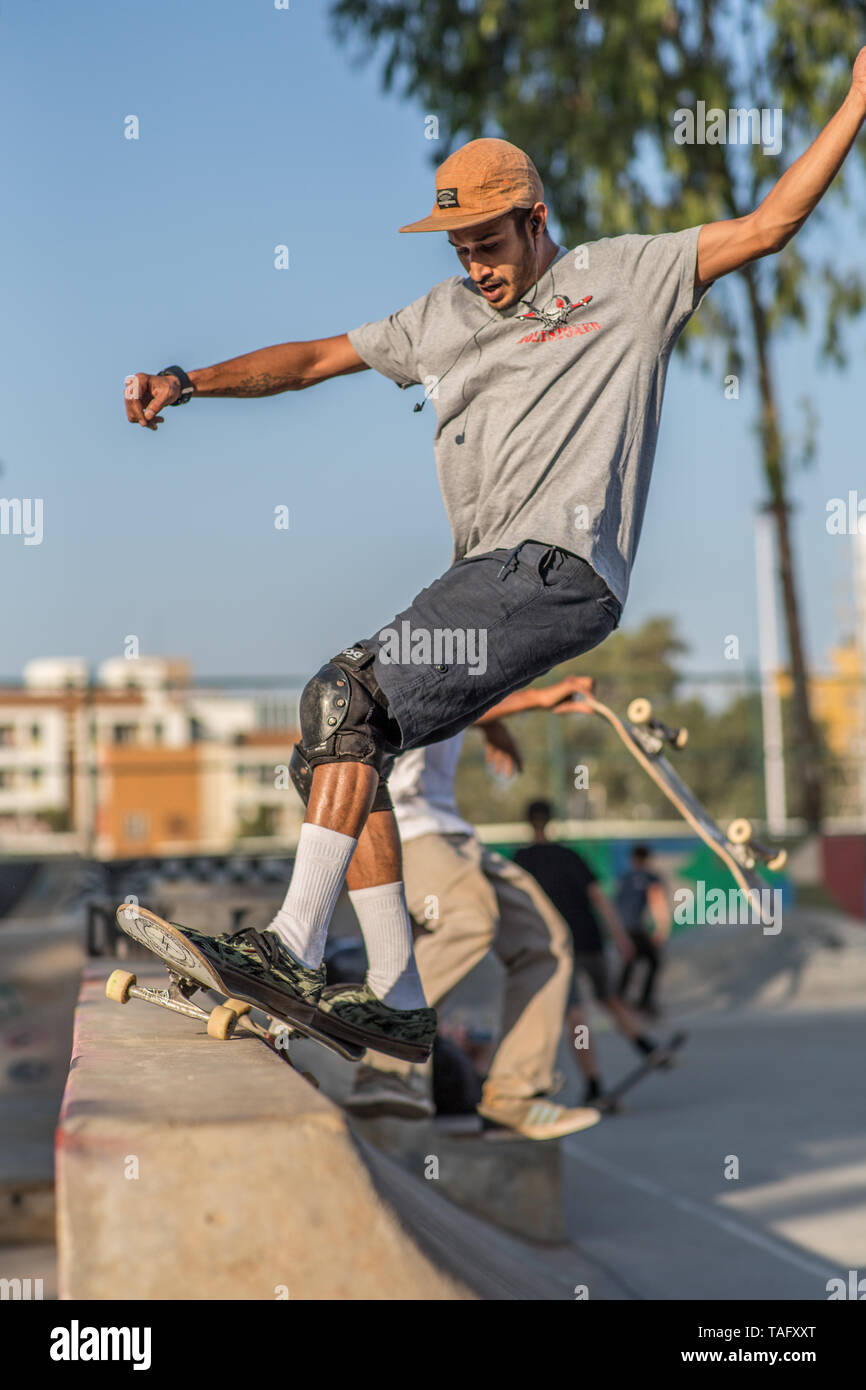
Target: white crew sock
x,y
387,930
320,866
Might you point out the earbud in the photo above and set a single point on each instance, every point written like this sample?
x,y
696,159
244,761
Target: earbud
x,y
534,224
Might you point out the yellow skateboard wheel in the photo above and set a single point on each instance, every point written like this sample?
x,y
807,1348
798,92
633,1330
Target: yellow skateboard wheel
x,y
221,1022
239,1006
740,831
118,985
640,711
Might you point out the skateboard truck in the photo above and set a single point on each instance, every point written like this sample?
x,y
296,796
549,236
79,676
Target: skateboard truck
x,y
121,986
640,712
740,832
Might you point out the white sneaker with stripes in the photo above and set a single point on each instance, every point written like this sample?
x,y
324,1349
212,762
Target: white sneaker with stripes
x,y
535,1117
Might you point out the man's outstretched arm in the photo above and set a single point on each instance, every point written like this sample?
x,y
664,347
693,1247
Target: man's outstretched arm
x,y
267,372
729,245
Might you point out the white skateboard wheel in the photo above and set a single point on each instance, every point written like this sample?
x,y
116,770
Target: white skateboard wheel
x,y
778,861
640,711
740,831
118,985
221,1022
682,738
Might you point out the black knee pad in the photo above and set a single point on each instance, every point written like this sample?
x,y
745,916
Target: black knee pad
x,y
341,718
301,774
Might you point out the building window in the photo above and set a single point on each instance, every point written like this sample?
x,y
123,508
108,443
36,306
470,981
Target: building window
x,y
35,733
7,779
36,775
135,826
124,733
158,733
177,827
7,735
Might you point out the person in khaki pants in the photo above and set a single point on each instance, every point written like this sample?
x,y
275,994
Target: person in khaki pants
x,y
480,902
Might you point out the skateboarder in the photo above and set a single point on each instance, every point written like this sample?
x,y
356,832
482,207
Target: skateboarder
x,y
572,887
547,371
641,892
470,901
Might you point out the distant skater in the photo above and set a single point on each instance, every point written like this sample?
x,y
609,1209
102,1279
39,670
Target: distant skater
x,y
642,892
572,887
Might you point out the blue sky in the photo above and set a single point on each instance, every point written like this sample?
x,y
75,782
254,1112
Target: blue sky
x,y
119,255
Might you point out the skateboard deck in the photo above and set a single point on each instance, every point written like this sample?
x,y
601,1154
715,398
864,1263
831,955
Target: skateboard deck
x,y
663,1056
646,738
189,971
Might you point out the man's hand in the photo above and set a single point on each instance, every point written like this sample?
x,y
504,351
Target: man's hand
x,y
558,697
500,749
146,396
555,697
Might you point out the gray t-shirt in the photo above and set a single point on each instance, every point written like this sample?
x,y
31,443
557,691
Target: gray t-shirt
x,y
547,429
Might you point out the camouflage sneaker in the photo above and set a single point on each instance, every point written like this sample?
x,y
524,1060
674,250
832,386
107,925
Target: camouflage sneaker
x,y
377,1092
262,973
353,1014
267,950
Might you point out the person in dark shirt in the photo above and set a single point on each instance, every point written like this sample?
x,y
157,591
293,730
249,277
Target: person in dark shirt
x,y
572,887
641,892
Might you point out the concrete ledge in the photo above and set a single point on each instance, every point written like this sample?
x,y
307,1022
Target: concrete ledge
x,y
191,1169
516,1184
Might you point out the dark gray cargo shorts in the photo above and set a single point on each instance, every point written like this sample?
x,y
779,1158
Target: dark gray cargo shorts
x,y
489,626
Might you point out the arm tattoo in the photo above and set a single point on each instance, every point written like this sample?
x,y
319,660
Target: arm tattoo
x,y
260,384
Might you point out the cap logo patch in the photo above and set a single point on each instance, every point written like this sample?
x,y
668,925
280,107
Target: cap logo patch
x,y
447,198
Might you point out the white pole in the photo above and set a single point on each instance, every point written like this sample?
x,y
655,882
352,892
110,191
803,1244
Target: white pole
x,y
860,642
771,706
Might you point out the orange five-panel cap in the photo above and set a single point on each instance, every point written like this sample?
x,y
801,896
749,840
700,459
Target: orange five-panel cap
x,y
481,180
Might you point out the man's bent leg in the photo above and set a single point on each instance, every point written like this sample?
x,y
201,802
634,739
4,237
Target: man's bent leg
x,y
336,768
375,883
534,945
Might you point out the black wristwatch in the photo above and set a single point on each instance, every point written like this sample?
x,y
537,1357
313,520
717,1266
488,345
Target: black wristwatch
x,y
187,390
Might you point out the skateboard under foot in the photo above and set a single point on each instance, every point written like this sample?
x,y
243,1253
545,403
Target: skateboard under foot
x,y
221,1020
189,971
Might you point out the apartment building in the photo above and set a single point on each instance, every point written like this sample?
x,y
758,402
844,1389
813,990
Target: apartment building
x,y
141,761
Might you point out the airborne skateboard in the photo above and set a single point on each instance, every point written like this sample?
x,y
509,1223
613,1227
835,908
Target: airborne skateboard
x,y
664,1056
646,738
189,971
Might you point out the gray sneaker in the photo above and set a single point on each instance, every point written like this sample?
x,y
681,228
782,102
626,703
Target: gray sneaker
x,y
376,1093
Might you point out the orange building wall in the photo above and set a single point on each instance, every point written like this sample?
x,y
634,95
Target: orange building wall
x,y
158,787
